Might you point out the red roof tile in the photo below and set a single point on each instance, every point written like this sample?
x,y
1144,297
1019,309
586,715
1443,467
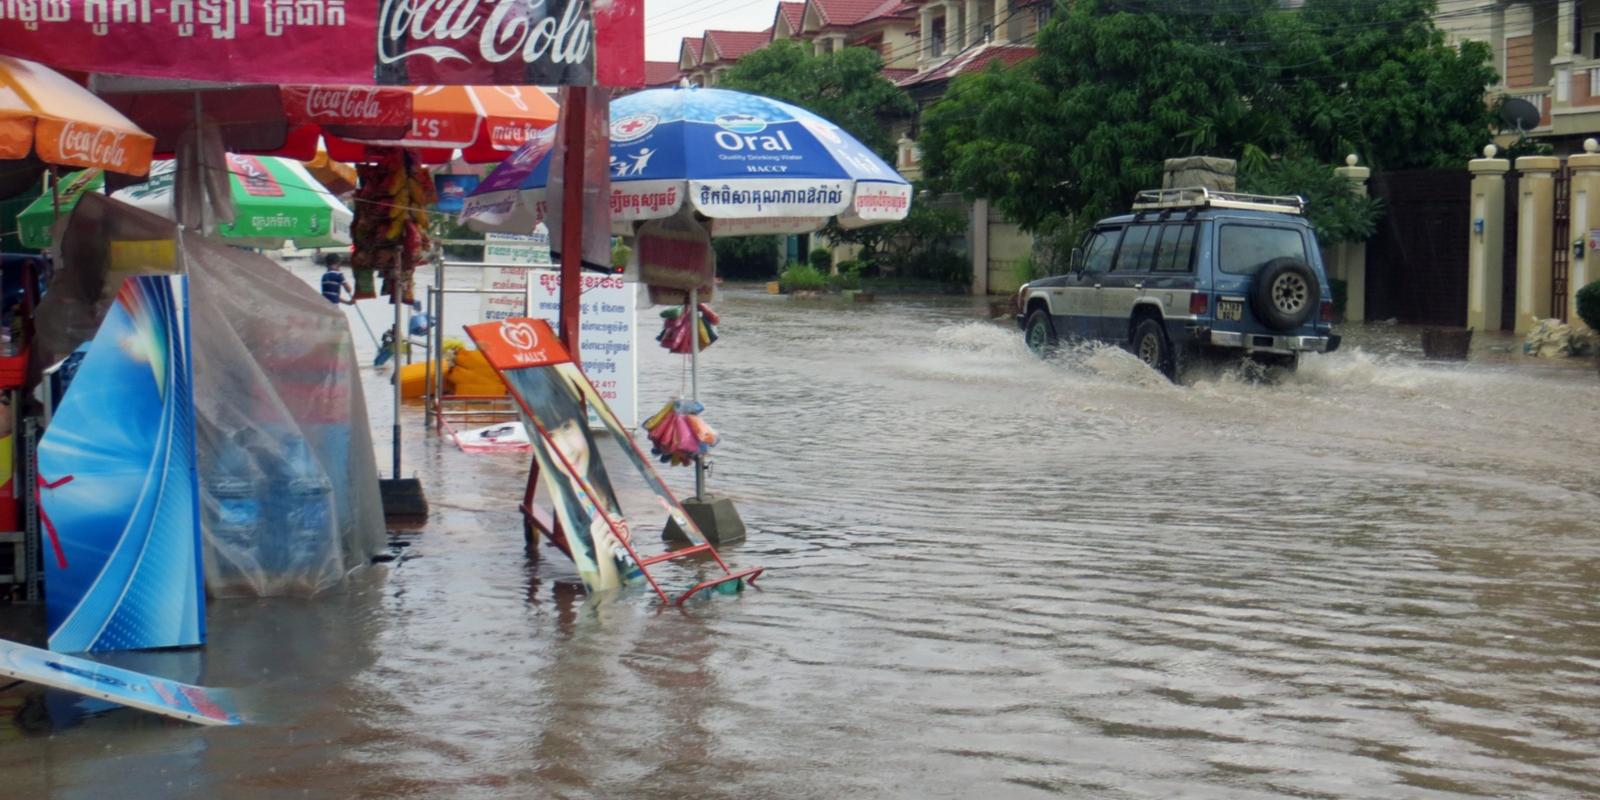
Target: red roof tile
x,y
794,13
731,45
845,13
974,61
897,74
696,46
661,73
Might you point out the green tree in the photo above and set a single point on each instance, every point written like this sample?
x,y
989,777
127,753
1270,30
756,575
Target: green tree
x,y
846,88
1338,214
1120,85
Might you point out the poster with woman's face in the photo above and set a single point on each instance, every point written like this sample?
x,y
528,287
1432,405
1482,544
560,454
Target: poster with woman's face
x,y
575,476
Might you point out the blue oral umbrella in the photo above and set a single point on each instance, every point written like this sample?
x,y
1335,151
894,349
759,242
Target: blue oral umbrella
x,y
762,165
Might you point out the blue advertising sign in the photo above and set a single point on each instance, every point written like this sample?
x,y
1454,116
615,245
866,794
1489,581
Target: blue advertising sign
x,y
119,498
196,704
453,190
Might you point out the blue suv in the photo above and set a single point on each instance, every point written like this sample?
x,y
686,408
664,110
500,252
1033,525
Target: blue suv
x,y
1191,272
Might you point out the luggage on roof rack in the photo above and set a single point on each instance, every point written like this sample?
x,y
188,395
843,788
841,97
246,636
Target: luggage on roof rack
x,y
1200,197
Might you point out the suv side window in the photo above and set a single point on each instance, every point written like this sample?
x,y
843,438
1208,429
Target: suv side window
x,y
1138,244
1176,252
1101,246
1243,249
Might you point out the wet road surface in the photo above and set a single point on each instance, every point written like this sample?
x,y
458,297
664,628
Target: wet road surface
x,y
990,576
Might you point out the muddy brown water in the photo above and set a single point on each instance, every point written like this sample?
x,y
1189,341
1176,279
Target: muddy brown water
x,y
991,576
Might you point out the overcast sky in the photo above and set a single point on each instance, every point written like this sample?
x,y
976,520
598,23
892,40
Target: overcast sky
x,y
666,22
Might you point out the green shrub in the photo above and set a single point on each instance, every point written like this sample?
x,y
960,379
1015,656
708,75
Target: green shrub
x,y
945,266
1589,305
802,278
1025,270
844,280
821,260
620,255
748,257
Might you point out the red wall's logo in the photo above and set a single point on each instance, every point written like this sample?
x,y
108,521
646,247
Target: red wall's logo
x,y
520,335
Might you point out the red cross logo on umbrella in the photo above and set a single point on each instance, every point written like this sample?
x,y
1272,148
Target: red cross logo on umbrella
x,y
629,128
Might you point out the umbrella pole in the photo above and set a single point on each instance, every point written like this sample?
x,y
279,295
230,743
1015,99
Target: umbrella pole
x,y
55,195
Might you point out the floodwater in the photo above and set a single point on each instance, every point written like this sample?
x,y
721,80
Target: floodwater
x,y
989,576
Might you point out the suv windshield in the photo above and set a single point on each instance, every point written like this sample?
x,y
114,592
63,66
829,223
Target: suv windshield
x,y
1100,248
1243,249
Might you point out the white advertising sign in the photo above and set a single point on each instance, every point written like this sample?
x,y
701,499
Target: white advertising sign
x,y
607,337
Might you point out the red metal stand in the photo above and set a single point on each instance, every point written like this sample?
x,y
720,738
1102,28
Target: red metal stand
x,y
727,576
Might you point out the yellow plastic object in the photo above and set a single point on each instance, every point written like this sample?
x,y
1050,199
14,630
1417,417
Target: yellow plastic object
x,y
473,361
414,380
472,376
473,388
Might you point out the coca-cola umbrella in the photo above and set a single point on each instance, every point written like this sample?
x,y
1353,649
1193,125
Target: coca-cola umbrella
x,y
45,116
751,164
486,123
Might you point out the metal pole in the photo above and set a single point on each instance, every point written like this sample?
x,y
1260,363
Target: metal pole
x,y
438,339
427,366
576,98
694,383
55,195
399,294
30,509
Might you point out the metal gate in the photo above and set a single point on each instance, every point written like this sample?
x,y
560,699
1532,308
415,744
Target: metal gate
x,y
1561,258
1417,257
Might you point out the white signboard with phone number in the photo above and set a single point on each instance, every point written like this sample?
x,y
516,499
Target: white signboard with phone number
x,y
607,340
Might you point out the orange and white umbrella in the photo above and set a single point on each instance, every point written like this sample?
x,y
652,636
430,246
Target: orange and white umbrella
x,y
486,123
44,113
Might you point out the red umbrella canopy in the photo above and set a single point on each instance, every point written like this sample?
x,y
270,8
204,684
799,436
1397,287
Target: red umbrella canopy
x,y
486,123
279,120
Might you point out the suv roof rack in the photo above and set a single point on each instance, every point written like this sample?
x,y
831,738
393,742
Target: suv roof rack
x,y
1199,196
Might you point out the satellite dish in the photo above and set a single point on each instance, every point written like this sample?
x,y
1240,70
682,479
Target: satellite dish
x,y
1518,113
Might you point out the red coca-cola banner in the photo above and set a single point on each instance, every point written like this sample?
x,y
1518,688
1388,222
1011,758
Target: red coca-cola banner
x,y
360,42
365,106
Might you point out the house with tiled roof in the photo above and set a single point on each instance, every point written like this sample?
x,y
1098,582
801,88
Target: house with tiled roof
x,y
720,50
887,26
661,74
786,22
689,57
961,37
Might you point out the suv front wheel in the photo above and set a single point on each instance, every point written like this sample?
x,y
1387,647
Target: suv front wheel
x,y
1039,332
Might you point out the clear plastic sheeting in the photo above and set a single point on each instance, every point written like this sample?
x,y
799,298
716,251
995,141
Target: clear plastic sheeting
x,y
1552,338
288,481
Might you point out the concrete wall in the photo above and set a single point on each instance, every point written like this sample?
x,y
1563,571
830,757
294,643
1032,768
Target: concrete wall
x,y
1008,245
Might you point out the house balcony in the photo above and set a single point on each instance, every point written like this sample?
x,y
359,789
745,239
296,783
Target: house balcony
x,y
1569,107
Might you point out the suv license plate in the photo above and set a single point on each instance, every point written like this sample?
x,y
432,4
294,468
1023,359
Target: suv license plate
x,y
1231,310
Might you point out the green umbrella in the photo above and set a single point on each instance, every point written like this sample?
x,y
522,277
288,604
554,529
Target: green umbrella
x,y
33,224
275,200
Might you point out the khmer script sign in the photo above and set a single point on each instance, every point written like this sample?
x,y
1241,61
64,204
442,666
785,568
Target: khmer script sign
x,y
336,42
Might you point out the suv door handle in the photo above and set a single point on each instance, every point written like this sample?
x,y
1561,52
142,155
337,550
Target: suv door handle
x,y
1097,286
1139,285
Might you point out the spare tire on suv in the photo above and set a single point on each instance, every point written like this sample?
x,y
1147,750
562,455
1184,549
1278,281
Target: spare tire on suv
x,y
1285,294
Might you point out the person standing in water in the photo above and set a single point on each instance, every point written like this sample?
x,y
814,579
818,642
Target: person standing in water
x,y
335,286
